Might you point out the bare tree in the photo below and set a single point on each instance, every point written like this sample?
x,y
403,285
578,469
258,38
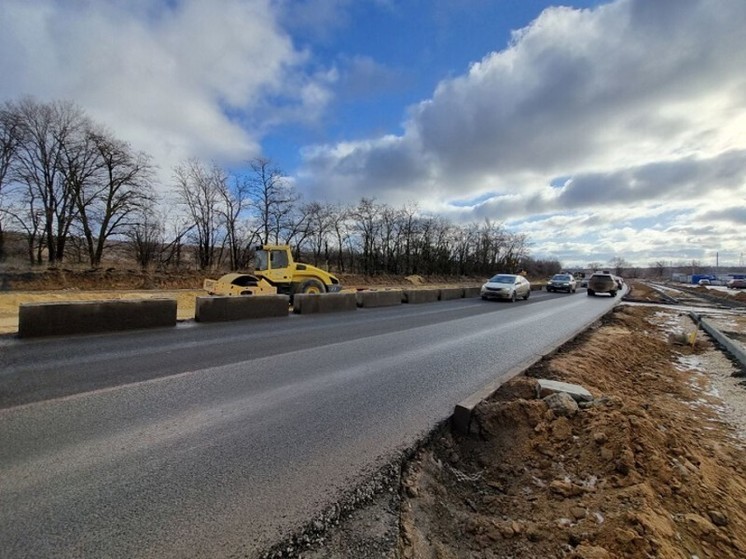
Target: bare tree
x,y
366,223
515,251
177,227
660,268
27,217
45,129
235,201
199,189
119,186
541,267
294,226
272,199
338,219
464,241
8,147
392,220
619,264
318,229
145,235
68,177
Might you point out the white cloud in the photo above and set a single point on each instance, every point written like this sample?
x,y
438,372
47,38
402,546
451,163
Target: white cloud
x,y
639,103
627,117
177,79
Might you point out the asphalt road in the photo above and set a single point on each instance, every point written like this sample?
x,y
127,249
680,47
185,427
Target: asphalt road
x,y
217,440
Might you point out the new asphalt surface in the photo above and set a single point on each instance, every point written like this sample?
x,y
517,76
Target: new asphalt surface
x,y
217,440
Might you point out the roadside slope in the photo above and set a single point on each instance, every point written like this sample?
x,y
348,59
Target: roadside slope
x,y
653,468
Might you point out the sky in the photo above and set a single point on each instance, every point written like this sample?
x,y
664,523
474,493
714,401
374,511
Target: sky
x,y
600,129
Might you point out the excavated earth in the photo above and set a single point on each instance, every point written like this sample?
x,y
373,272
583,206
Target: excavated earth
x,y
652,467
66,285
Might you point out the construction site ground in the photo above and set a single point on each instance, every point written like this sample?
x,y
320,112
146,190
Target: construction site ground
x,y
52,286
653,466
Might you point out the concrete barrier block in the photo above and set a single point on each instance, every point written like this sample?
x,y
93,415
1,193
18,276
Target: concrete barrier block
x,y
470,292
387,298
730,345
416,296
448,293
220,309
308,303
536,286
546,387
87,317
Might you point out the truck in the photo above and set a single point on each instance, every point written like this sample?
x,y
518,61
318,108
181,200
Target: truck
x,y
275,271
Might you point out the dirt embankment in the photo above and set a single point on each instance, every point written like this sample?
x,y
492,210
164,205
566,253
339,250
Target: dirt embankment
x,y
132,279
650,468
641,291
97,279
723,295
64,285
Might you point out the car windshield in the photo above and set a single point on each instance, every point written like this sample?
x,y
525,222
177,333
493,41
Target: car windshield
x,y
502,279
561,277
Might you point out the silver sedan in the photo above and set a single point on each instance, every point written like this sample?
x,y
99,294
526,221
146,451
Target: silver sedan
x,y
506,286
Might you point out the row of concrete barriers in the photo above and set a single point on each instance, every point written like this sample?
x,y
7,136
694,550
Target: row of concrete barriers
x,y
86,317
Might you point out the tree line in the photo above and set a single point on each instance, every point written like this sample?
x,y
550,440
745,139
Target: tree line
x,y
77,193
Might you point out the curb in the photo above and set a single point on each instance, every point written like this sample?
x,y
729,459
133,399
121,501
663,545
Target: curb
x,y
729,345
464,411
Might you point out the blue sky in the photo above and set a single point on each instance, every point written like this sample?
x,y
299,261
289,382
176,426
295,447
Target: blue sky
x,y
393,54
600,129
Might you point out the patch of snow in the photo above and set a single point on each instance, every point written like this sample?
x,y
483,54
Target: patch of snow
x,y
688,363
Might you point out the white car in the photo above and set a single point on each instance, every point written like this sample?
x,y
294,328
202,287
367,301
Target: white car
x,y
506,286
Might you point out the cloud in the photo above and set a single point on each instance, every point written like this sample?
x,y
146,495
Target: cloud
x,y
176,79
729,216
582,90
639,103
363,77
682,180
625,117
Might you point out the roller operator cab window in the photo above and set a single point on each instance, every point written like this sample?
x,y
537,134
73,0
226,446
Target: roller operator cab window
x,y
279,259
260,261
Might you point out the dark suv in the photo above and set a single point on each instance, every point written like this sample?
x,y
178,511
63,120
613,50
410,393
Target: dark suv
x,y
562,282
602,282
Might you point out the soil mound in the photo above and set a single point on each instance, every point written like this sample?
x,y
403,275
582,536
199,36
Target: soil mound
x,y
98,279
647,469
